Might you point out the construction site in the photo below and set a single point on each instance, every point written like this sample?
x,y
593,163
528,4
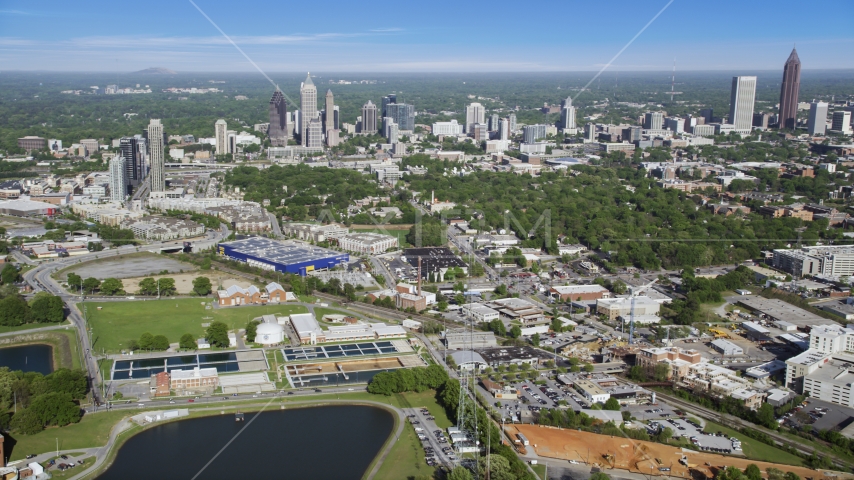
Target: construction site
x,y
606,452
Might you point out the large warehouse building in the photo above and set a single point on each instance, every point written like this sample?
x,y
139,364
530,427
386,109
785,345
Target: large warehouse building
x,y
289,257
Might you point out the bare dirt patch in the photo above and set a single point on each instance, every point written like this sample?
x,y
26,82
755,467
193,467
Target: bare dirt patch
x,y
184,281
637,456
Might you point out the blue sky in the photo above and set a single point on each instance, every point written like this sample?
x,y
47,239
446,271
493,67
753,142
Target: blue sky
x,y
437,36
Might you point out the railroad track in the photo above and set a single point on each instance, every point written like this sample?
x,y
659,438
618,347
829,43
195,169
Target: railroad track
x,y
731,420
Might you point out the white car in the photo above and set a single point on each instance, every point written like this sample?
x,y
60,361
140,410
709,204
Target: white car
x,y
574,462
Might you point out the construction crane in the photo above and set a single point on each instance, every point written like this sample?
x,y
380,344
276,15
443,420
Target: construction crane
x,y
635,293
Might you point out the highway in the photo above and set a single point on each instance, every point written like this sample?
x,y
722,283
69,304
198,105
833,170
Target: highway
x,y
40,279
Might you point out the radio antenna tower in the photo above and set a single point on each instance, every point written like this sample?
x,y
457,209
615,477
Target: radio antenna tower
x,y
467,407
673,80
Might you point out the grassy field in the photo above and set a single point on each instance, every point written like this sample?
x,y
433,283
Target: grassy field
x,y
540,470
92,431
756,450
116,323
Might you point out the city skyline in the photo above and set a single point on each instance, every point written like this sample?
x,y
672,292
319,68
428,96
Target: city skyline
x,y
353,39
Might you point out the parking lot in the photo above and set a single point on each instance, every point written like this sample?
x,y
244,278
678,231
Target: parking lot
x,y
827,417
433,444
705,441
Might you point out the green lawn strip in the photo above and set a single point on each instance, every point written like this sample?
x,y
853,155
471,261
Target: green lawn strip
x,y
756,450
116,323
405,460
540,470
92,431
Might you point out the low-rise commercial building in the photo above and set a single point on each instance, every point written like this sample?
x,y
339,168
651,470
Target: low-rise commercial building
x,y
725,347
479,313
579,292
591,391
617,307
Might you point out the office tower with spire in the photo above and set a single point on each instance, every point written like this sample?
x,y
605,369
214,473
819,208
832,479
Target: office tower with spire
x,y
369,118
118,179
220,129
741,100
157,178
817,122
278,129
475,114
308,106
788,116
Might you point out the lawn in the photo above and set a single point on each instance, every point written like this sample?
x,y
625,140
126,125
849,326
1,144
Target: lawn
x,y
540,470
756,450
116,323
92,431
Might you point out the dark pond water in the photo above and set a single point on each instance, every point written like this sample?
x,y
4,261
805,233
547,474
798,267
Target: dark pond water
x,y
331,442
29,358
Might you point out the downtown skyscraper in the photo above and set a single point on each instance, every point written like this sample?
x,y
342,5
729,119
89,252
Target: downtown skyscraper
x,y
369,118
278,129
788,116
742,99
157,156
308,107
118,179
221,135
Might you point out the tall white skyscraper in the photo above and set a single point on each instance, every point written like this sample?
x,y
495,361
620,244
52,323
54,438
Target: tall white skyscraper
x,y
156,156
118,179
504,129
314,134
308,106
220,127
741,103
841,122
567,114
817,122
475,113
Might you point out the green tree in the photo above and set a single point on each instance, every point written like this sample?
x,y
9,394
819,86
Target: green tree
x,y
159,342
460,473
27,422
349,291
74,281
752,472
187,342
588,367
252,330
148,287
499,468
730,473
612,404
201,286
47,308
9,274
14,311
146,341
91,284
766,417
217,334
535,339
167,286
515,331
112,286
661,372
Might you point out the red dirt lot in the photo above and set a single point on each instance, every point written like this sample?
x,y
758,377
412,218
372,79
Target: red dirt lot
x,y
608,452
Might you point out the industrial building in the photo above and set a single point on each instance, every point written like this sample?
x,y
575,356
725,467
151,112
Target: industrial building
x,y
513,356
269,334
579,292
435,260
195,381
289,257
463,339
27,208
726,347
237,295
591,391
836,260
468,360
479,313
